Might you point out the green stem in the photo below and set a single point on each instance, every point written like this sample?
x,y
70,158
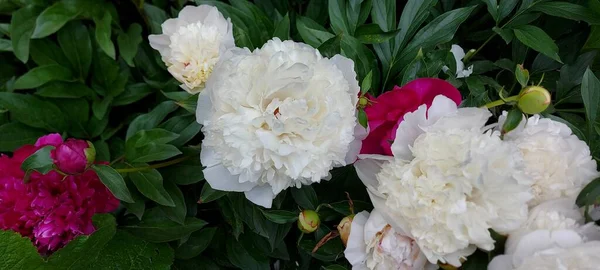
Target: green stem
x,y
154,166
500,102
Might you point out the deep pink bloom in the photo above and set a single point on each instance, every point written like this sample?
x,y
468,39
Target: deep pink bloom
x,y
50,209
69,157
387,111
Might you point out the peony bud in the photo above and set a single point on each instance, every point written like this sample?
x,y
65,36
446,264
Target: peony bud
x,y
308,221
344,228
534,99
74,156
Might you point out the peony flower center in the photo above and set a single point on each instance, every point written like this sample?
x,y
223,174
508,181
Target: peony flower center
x,y
393,250
194,52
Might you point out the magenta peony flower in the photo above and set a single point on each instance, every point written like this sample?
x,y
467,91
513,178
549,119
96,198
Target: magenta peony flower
x,y
387,110
49,209
73,156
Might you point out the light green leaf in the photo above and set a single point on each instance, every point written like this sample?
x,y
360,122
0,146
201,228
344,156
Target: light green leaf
x,y
39,161
17,252
372,34
103,34
150,184
113,181
311,32
282,30
14,135
590,93
34,112
22,23
337,17
53,18
155,227
75,42
40,75
129,42
535,38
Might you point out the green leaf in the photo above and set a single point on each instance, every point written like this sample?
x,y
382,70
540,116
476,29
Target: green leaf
x,y
75,43
150,184
39,161
155,227
593,41
366,83
156,135
5,45
129,42
113,181
151,119
363,58
34,112
208,194
197,243
331,47
152,152
535,38
477,261
414,14
184,173
305,197
372,34
17,252
156,17
178,212
64,90
505,8
139,206
590,194
22,23
133,93
189,104
363,120
103,34
45,52
590,93
492,7
14,135
125,251
311,32
184,125
334,267
282,30
231,216
568,11
242,258
280,216
513,118
522,75
100,107
384,14
337,17
40,75
506,34
77,253
199,262
53,19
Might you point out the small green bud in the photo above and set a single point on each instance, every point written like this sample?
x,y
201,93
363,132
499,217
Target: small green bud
x,y
534,99
90,153
363,102
344,228
308,221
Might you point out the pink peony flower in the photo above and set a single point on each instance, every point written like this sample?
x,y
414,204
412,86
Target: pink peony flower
x,y
71,156
51,209
387,110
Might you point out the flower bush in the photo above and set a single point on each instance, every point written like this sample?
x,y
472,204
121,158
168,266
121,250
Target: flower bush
x,y
301,134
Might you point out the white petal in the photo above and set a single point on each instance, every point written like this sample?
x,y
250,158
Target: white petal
x,y
192,14
374,224
501,262
208,157
220,178
170,26
356,249
367,170
347,67
408,131
261,195
543,239
360,133
160,43
441,106
458,52
204,107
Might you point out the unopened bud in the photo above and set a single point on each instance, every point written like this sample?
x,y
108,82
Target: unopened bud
x,y
308,221
363,102
344,228
534,99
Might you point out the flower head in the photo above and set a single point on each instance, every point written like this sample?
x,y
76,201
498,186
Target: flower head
x,y
308,221
448,181
387,111
278,117
50,209
374,244
559,163
74,156
192,44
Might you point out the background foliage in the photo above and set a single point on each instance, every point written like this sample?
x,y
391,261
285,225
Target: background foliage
x,y
85,69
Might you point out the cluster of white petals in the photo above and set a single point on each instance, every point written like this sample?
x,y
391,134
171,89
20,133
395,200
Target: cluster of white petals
x,y
448,181
559,163
278,117
459,55
192,44
552,238
373,244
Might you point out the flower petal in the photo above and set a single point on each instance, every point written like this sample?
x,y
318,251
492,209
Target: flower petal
x,y
220,178
501,262
356,250
261,195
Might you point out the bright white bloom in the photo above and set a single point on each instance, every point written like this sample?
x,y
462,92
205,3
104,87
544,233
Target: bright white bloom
x,y
554,232
459,54
559,162
278,117
373,244
191,44
448,181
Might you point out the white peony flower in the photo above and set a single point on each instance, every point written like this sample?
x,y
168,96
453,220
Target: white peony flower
x,y
554,232
459,54
559,163
191,44
373,244
278,117
448,181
